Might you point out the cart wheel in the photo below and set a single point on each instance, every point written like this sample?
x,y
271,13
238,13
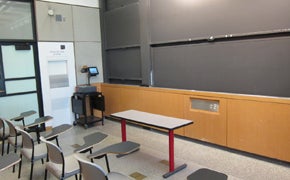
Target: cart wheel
x,y
74,123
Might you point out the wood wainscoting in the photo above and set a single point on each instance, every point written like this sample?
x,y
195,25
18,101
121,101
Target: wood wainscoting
x,y
255,124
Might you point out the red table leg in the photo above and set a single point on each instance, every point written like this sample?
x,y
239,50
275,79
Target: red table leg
x,y
172,168
124,138
123,129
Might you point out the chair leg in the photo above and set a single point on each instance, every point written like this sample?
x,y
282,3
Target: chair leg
x,y
15,151
8,147
107,162
31,170
15,145
3,141
13,169
76,176
92,159
56,139
19,171
45,174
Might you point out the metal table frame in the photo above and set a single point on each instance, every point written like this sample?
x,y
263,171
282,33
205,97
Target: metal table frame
x,y
158,121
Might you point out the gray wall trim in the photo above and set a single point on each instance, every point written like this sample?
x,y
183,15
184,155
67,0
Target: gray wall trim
x,y
145,42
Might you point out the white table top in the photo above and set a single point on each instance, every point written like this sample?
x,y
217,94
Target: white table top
x,y
156,120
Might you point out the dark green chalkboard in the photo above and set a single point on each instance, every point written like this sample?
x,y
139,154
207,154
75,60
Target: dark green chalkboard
x,y
260,66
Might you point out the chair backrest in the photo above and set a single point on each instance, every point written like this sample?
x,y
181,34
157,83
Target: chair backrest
x,y
27,140
55,154
2,128
12,129
89,170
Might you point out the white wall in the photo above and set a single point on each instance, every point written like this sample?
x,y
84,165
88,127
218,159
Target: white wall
x,y
86,50
55,63
81,26
89,3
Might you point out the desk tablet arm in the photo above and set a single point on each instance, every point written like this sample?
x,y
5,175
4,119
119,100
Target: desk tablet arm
x,y
122,148
23,115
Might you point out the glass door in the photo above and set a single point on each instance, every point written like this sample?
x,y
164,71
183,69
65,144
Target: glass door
x,y
19,90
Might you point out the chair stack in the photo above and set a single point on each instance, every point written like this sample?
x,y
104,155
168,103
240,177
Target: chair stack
x,y
92,171
14,137
30,151
57,163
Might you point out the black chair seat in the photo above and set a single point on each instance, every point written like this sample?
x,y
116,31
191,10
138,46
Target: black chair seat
x,y
121,149
118,148
207,174
56,131
90,141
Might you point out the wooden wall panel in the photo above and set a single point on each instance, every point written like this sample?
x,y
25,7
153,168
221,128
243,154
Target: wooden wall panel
x,y
259,127
112,99
143,99
255,124
130,98
163,103
208,126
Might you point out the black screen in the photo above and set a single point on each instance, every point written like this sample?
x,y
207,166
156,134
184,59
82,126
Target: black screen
x,y
93,71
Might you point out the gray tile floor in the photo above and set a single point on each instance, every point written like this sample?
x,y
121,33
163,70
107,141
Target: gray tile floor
x,y
149,160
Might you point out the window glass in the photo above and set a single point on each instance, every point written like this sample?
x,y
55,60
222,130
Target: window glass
x,y
12,106
18,63
19,86
15,20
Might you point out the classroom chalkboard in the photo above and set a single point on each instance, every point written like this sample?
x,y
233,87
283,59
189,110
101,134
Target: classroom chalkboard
x,y
253,66
179,20
248,53
122,26
113,4
124,63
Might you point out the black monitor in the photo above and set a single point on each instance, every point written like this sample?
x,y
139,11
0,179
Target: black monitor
x,y
93,71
